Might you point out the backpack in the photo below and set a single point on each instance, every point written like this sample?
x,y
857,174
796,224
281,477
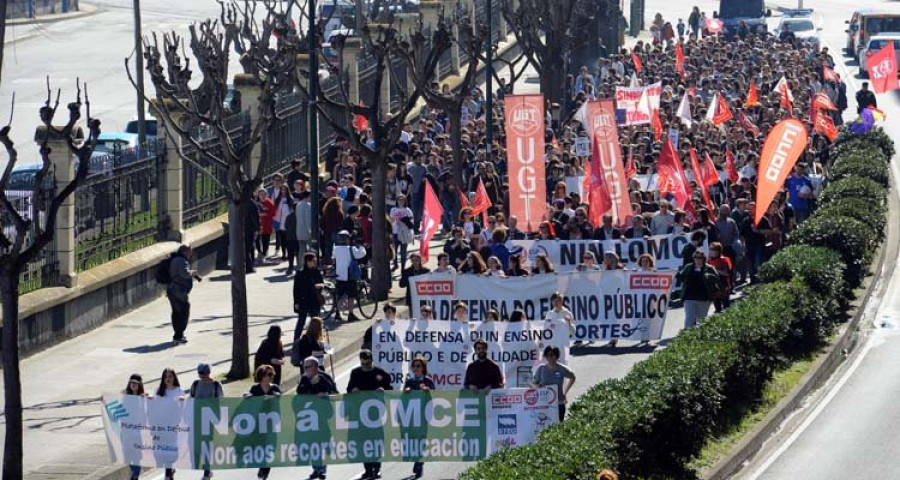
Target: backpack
x,y
163,273
354,273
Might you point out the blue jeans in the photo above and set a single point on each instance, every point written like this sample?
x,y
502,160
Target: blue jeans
x,y
135,471
694,311
401,249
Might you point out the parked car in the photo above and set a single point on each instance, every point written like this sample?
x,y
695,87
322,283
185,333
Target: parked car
x,y
150,124
876,43
115,148
863,24
19,191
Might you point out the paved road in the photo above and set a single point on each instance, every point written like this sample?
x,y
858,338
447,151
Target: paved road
x,y
849,429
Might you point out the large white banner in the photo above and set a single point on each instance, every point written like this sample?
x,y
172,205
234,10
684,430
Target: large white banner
x,y
629,99
447,346
567,254
152,432
616,304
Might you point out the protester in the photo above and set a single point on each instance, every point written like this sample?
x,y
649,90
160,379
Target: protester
x,y
460,313
723,266
402,229
267,211
474,264
457,247
416,268
542,265
369,378
515,267
135,387
560,312
347,255
315,382
427,313
265,386
418,380
308,284
646,263
589,263
553,373
311,343
444,264
699,282
483,373
169,388
271,352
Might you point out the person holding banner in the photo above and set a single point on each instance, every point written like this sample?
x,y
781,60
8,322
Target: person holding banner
x,y
607,231
135,387
369,378
427,313
169,387
418,380
589,263
457,247
542,264
483,374
553,373
560,312
515,266
415,268
460,313
699,285
264,387
444,264
474,264
494,268
646,263
315,382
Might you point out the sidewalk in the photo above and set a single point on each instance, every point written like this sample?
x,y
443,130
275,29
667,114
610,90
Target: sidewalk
x,y
18,29
62,385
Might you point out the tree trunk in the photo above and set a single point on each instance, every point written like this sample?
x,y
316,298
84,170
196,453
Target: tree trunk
x,y
553,77
381,268
240,335
12,383
456,144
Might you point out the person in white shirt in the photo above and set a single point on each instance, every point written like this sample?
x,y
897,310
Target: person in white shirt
x,y
170,390
461,313
560,312
401,227
344,253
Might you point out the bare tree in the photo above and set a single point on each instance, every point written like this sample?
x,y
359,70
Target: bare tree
x,y
268,50
32,231
440,40
382,42
548,33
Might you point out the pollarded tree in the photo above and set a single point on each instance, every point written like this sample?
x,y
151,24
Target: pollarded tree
x,y
268,48
33,226
381,42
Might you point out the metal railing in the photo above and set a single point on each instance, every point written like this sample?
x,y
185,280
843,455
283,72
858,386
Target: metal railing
x,y
117,210
43,270
287,138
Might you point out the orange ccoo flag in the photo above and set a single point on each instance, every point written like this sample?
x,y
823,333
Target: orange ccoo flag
x,y
638,66
752,96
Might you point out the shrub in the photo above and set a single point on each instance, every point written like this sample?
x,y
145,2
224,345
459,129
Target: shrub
x,y
847,142
854,187
856,164
872,214
851,238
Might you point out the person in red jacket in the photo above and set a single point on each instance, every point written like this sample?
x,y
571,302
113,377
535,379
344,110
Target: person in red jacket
x,y
722,264
267,212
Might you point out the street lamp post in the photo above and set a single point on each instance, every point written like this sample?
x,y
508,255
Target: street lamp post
x,y
488,84
139,66
313,143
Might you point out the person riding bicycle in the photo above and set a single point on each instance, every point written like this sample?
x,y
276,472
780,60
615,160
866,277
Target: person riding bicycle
x,y
347,256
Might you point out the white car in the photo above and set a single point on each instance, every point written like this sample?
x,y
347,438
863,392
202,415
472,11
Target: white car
x,y
876,43
804,28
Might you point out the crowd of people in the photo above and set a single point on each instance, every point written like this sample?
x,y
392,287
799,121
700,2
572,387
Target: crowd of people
x,y
745,70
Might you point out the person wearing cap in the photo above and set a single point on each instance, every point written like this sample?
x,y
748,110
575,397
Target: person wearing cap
x,y
345,253
315,382
206,387
369,378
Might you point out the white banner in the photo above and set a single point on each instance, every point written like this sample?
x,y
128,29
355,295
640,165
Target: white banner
x,y
629,98
153,432
606,304
447,346
567,254
516,417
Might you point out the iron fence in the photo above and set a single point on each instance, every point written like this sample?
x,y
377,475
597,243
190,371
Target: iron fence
x,y
286,139
205,181
399,82
117,210
43,270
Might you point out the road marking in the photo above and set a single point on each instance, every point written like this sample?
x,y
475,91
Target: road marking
x,y
815,413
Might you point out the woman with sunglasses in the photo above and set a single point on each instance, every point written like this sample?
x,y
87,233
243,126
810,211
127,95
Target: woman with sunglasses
x,y
315,382
169,388
135,387
265,386
418,380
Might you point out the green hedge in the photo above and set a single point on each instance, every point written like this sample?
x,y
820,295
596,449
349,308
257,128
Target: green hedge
x,y
854,187
860,165
655,420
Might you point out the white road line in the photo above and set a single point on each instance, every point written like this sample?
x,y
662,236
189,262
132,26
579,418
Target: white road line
x,y
815,414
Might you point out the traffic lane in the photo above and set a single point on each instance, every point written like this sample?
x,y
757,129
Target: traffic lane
x,y
591,364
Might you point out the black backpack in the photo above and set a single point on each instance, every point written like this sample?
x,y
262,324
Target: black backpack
x,y
163,274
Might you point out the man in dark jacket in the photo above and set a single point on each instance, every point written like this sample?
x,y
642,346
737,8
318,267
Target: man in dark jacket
x,y
181,282
251,229
864,98
369,378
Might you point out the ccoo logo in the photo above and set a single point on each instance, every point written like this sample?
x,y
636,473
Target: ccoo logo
x,y
435,287
651,282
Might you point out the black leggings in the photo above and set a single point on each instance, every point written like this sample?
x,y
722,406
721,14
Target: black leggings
x,y
262,245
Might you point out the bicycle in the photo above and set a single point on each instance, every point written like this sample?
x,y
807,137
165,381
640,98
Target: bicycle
x,y
366,303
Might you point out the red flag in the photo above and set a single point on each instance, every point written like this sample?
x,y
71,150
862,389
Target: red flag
x,y
598,193
714,26
730,169
883,69
829,74
463,201
555,143
700,180
813,111
822,101
784,91
723,113
747,124
630,169
637,62
360,122
710,174
610,164
431,219
752,96
679,59
657,125
671,174
481,202
825,125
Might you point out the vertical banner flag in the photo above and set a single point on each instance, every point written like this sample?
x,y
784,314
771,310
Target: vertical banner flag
x,y
783,147
883,69
525,157
606,134
746,123
431,218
